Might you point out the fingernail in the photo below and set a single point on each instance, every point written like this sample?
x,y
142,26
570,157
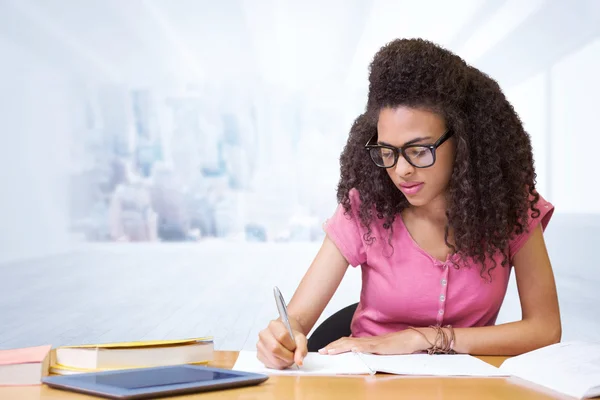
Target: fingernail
x,y
331,351
322,351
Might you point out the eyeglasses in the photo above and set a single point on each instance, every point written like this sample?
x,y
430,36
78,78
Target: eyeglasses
x,y
417,155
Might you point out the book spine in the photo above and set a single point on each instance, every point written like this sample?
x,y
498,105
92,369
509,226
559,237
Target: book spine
x,y
360,357
97,358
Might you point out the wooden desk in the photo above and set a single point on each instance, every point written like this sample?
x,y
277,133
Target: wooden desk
x,y
378,387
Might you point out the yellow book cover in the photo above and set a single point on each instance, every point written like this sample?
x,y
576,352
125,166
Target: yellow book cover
x,y
143,343
58,369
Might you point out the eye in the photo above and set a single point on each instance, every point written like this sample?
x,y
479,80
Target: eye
x,y
417,152
386,153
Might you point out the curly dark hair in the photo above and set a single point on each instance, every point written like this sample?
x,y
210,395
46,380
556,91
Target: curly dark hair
x,y
492,187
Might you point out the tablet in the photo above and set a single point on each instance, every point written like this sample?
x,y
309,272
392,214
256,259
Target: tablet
x,y
152,382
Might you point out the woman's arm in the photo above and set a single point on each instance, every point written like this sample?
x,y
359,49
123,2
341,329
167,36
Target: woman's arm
x,y
275,347
317,286
540,324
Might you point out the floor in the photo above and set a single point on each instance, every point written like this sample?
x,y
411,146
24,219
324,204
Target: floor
x,y
123,292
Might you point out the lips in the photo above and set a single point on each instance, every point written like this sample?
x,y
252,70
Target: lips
x,y
409,188
408,185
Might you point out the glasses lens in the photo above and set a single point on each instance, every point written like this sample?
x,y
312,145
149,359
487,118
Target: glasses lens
x,y
383,157
420,156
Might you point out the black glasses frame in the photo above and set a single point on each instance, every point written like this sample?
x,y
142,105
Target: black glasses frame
x,y
372,144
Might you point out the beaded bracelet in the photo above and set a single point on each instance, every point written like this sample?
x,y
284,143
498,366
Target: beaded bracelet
x,y
441,344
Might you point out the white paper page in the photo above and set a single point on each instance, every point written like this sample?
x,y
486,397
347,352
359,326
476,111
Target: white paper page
x,y
314,364
572,368
432,365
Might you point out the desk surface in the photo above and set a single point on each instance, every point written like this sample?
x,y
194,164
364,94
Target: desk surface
x,y
380,386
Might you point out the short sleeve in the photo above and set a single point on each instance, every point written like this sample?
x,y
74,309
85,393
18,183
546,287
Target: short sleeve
x,y
546,210
345,230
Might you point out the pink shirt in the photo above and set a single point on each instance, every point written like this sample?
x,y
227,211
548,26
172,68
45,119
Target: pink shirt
x,y
411,288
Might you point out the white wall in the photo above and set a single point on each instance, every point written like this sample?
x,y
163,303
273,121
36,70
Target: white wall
x,y
530,101
35,126
576,131
559,108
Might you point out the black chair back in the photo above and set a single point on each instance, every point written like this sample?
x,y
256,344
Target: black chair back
x,y
332,329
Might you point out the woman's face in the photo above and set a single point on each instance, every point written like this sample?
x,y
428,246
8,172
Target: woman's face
x,y
401,126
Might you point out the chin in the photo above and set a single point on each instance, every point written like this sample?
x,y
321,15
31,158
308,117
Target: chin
x,y
418,200
415,200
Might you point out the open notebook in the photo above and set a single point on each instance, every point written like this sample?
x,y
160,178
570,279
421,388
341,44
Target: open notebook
x,y
571,368
364,364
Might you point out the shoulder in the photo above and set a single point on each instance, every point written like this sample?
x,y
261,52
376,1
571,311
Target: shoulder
x,y
540,214
350,208
344,228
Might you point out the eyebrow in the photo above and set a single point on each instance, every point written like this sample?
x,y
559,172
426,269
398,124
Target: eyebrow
x,y
415,140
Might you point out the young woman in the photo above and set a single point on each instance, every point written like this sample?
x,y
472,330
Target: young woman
x,y
437,204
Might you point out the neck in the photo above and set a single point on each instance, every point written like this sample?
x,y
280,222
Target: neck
x,y
434,211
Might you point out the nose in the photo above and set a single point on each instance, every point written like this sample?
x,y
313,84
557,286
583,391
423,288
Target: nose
x,y
403,168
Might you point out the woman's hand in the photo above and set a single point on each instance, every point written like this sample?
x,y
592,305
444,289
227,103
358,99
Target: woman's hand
x,y
403,342
275,347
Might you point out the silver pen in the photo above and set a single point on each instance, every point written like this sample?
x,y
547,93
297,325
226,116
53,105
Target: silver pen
x,y
283,314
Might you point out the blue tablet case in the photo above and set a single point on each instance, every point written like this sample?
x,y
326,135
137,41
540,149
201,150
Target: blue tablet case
x,y
143,383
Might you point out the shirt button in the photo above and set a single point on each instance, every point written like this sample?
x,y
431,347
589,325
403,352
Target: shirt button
x,y
444,282
442,298
441,312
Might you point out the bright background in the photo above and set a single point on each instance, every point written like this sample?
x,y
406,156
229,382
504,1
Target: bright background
x,y
218,125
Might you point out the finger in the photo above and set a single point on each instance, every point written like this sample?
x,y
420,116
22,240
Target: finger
x,y
269,359
273,346
339,346
262,355
282,335
343,348
268,352
301,348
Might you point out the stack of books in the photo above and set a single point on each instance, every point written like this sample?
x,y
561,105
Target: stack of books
x,y
30,365
25,366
